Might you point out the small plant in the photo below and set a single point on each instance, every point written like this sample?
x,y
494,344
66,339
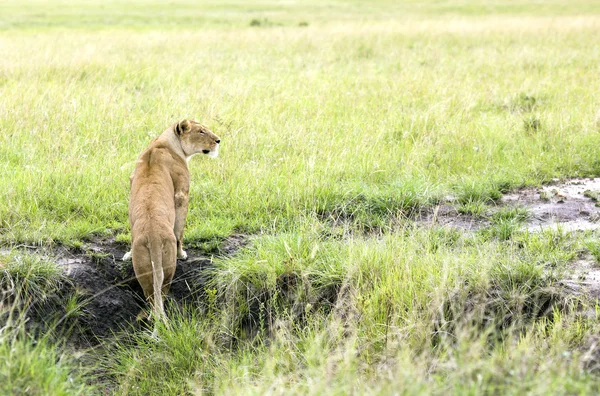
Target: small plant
x,y
441,237
593,195
473,208
124,268
522,103
212,303
479,192
96,256
210,246
503,229
30,277
73,306
506,221
545,195
77,245
594,248
517,214
123,237
303,24
261,22
532,124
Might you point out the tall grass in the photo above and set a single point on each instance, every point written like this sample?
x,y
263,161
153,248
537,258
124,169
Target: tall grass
x,y
339,121
38,368
395,111
448,314
33,365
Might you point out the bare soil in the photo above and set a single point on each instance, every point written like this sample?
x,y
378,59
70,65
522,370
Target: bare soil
x,y
585,278
110,296
447,215
572,205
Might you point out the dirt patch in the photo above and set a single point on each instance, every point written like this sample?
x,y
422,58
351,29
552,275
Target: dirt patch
x,y
585,278
446,215
572,205
107,291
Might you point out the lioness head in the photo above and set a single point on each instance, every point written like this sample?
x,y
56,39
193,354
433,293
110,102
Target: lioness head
x,y
195,138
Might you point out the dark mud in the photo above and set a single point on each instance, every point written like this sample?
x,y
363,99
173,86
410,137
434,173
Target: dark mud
x,y
107,292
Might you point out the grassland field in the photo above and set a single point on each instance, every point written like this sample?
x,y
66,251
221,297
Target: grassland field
x,y
340,122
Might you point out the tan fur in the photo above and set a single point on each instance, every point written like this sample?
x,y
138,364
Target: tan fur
x,y
158,205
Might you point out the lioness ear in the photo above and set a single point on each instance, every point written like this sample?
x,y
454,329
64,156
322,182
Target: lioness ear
x,y
183,127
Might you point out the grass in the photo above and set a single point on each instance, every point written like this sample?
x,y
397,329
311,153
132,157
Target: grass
x,y
339,101
340,120
39,368
299,335
33,366
28,276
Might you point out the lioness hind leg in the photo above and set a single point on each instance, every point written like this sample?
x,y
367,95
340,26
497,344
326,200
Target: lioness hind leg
x,y
142,267
169,266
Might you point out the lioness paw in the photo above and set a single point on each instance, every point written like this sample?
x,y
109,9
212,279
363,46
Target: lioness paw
x,y
127,256
182,255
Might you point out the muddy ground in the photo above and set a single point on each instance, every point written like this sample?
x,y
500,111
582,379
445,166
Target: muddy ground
x,y
111,297
572,205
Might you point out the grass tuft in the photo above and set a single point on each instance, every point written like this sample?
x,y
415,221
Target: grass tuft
x,y
27,276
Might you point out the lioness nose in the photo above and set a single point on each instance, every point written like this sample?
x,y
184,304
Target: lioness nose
x,y
218,141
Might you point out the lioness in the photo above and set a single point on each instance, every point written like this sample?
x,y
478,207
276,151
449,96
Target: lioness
x,y
158,205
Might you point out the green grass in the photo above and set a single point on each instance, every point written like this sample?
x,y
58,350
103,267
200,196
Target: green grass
x,y
339,120
403,309
397,113
33,366
26,276
39,369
